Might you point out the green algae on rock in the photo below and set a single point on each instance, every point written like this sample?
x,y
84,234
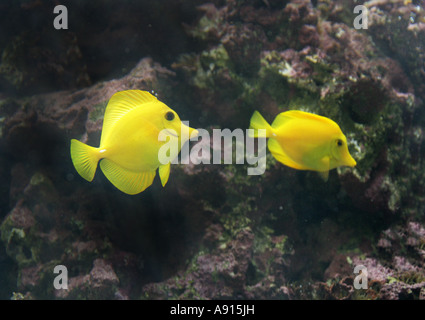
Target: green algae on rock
x,y
226,234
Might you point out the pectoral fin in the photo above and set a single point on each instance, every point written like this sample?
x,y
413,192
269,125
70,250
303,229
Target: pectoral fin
x,y
324,175
325,164
164,173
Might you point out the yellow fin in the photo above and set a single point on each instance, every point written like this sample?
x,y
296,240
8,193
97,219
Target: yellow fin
x,y
280,120
282,157
324,175
125,180
258,122
297,114
326,164
84,158
164,173
120,104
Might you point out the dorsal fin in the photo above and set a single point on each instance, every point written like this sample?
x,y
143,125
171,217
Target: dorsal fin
x,y
121,103
297,114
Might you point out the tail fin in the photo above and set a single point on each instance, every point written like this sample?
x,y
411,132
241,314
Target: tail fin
x,y
84,158
258,122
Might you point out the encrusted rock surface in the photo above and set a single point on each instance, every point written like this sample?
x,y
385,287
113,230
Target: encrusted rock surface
x,y
214,232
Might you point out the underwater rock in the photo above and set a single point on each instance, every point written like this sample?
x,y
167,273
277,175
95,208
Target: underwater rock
x,y
399,28
215,232
400,282
243,44
328,67
104,40
46,224
30,65
338,71
396,271
227,272
100,283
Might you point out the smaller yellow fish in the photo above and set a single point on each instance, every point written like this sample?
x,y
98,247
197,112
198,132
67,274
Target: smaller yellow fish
x,y
305,141
129,144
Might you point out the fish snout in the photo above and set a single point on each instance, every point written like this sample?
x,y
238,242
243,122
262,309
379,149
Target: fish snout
x,y
192,132
351,162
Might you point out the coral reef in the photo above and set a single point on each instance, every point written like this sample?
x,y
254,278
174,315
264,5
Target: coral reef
x,y
214,232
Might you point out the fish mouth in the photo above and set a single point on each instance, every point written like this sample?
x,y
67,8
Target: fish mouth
x,y
192,132
351,162
172,133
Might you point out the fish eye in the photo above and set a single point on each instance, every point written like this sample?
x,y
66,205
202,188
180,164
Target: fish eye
x,y
339,142
169,116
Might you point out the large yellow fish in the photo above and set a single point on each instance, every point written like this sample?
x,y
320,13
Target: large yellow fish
x,y
129,143
305,141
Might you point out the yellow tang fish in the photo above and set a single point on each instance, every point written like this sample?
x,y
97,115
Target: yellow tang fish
x,y
305,141
129,143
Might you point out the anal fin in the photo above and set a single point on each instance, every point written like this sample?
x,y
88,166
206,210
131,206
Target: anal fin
x,y
125,180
